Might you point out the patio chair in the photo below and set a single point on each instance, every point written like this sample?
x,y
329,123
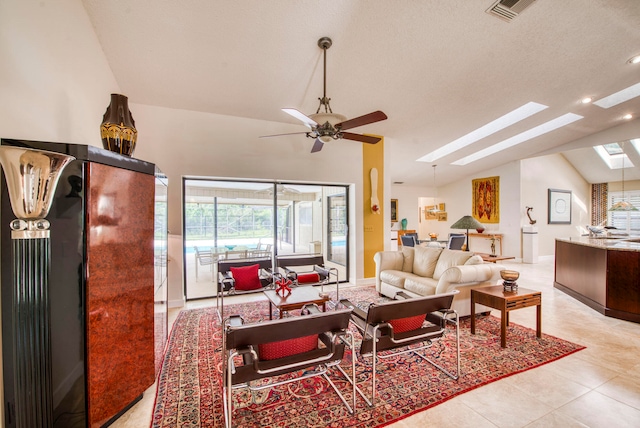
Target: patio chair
x,y
308,345
203,258
388,329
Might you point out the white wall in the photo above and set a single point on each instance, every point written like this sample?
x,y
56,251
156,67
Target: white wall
x,y
408,206
457,199
553,172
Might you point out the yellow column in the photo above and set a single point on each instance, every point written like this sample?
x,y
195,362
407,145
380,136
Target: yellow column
x,y
372,157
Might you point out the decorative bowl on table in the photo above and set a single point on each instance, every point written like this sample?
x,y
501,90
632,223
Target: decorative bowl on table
x,y
509,279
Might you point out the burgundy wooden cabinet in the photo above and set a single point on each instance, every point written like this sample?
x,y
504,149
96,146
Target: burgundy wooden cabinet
x,y
101,287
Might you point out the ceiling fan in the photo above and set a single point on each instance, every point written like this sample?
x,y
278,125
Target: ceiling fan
x,y
326,126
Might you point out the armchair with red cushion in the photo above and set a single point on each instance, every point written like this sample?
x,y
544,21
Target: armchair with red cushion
x,y
308,270
388,329
239,276
310,345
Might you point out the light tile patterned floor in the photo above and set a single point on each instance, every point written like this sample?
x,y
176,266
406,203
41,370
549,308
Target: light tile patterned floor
x,y
596,387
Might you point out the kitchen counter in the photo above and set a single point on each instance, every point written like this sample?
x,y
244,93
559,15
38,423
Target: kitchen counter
x,y
603,273
630,243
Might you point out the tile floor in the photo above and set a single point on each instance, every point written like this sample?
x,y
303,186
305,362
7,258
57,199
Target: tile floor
x,y
596,387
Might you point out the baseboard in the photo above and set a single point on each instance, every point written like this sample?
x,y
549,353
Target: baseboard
x,y
366,281
177,303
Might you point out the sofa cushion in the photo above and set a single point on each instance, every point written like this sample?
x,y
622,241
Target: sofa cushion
x,y
394,277
424,260
474,260
407,252
450,258
421,285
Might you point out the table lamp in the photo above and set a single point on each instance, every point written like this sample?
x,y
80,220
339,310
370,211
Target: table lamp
x,y
467,222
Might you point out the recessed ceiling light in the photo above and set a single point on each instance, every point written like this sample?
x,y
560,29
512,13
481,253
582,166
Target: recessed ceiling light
x,y
634,59
546,127
586,100
500,123
619,97
628,116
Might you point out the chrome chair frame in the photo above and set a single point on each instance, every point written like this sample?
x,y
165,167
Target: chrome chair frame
x,y
378,333
335,339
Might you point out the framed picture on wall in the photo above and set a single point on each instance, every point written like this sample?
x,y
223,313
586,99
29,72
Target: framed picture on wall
x,y
394,210
559,206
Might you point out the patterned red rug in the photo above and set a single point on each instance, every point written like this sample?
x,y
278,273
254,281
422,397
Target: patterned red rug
x,y
190,390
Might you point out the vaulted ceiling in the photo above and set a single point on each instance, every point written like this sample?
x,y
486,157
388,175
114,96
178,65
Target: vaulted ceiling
x,y
438,69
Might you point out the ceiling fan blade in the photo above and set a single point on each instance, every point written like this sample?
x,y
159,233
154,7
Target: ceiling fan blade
x,y
278,135
359,137
376,116
317,146
301,116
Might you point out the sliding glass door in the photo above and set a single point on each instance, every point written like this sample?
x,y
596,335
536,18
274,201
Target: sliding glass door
x,y
251,219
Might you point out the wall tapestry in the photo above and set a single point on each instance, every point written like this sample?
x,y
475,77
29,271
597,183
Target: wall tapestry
x,y
486,199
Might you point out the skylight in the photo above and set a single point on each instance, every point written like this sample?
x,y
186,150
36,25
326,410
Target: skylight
x,y
613,157
502,122
613,148
546,127
619,97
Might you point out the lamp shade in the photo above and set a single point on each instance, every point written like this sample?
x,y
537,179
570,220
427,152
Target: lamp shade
x,y
467,222
623,206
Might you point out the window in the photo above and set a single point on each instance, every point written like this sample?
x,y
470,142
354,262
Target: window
x,y
622,219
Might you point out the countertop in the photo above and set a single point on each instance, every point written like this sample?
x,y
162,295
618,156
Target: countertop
x,y
625,243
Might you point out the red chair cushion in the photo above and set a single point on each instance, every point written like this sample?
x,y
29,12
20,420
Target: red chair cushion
x,y
246,277
401,325
285,348
304,278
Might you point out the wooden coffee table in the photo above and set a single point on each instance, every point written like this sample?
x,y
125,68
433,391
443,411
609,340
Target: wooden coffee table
x,y
298,297
506,301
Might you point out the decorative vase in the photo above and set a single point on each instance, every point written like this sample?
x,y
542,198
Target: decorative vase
x,y
403,224
118,129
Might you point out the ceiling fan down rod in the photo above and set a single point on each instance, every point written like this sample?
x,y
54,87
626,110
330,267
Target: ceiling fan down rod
x,y
324,43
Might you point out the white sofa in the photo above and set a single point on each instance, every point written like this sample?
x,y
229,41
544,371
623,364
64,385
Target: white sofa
x,y
423,271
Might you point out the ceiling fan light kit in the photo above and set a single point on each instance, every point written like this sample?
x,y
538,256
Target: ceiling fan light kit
x,y
326,125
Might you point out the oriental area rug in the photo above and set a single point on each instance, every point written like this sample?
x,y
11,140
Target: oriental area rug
x,y
189,390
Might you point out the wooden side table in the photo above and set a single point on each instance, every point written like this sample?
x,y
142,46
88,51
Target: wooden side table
x,y
506,301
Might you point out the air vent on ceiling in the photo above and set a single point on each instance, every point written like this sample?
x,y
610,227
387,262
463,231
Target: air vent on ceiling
x,y
507,10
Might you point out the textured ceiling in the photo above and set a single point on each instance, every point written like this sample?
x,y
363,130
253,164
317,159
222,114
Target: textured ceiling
x,y
438,69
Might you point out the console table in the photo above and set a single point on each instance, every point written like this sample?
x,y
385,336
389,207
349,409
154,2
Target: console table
x,y
498,236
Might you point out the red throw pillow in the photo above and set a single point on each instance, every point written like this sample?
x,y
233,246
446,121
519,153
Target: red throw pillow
x,y
285,348
246,277
401,325
304,278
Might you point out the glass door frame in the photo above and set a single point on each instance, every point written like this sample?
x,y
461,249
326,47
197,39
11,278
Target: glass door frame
x,y
324,225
